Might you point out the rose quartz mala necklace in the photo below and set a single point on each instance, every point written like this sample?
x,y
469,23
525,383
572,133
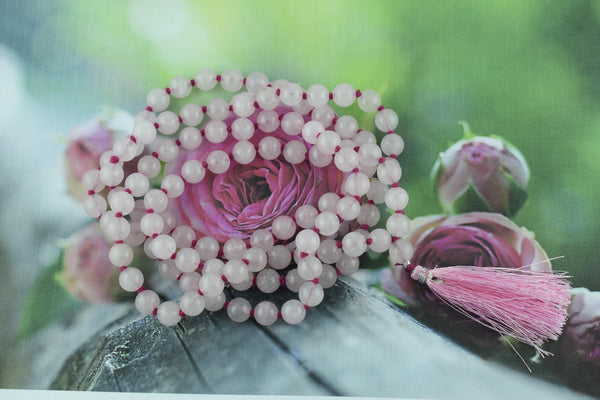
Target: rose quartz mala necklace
x,y
304,252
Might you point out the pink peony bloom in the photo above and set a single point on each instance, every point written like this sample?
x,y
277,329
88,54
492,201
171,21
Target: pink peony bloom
x,y
481,174
88,273
473,239
248,197
581,338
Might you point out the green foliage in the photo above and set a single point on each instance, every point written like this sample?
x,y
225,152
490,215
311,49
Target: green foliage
x,y
46,301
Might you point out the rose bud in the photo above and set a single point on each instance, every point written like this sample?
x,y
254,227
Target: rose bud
x,y
481,174
581,337
86,144
87,271
474,239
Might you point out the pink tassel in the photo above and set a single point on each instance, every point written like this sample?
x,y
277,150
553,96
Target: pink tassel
x,y
530,306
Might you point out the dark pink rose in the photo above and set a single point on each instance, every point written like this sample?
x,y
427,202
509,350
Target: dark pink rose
x,y
481,174
581,338
248,197
88,273
472,239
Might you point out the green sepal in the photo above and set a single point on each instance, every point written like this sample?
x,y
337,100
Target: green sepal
x,y
436,173
467,133
516,196
470,200
47,300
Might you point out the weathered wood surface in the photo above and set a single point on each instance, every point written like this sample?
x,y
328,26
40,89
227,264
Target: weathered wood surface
x,y
353,344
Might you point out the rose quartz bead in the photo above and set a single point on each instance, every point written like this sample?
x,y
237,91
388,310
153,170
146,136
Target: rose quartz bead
x,y
293,280
122,202
211,285
232,80
369,100
392,144
347,265
386,120
319,159
167,270
346,126
311,294
389,171
327,222
243,152
396,198
292,123
146,301
307,241
149,166
310,267
242,129
94,205
303,108
213,266
156,200
369,154
256,81
187,260
328,141
262,239
265,313
192,303
131,279
189,281
205,79
346,159
167,150
111,175
168,122
138,184
344,94
191,114
294,152
174,186
267,99
293,312
305,216
243,104
234,248
291,94
377,192
328,201
381,240
279,257
357,184
180,86
117,228
348,208
217,109
193,171
120,254
215,131
369,215
207,247
267,281
401,251
398,225
168,313
214,303
269,148
238,309
328,277
218,161
283,227
190,138
163,246
311,130
257,259
364,137
158,99
268,121
324,115
329,252
245,284
354,244
317,95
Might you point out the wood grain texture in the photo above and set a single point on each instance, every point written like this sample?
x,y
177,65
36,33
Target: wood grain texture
x,y
353,344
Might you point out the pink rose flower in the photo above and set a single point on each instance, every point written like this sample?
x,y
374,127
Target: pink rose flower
x,y
481,174
86,144
473,239
581,337
88,273
248,197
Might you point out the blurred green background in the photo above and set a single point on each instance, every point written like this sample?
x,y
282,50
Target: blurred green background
x,y
526,70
